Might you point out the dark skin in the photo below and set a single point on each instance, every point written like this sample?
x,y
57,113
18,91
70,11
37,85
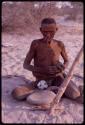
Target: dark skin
x,y
45,52
47,38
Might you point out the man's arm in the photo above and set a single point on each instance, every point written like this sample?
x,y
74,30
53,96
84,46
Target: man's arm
x,y
27,62
64,55
29,57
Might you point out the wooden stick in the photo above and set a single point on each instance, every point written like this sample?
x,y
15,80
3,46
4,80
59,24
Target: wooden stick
x,y
64,85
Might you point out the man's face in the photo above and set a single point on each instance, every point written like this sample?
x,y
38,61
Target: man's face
x,y
48,35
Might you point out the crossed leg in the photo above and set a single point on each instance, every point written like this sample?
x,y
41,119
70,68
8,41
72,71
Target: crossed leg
x,y
72,91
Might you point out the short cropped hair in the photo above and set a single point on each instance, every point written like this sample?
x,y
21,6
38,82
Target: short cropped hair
x,y
48,21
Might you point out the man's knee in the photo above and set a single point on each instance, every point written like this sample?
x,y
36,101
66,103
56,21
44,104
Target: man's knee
x,y
21,92
80,99
72,91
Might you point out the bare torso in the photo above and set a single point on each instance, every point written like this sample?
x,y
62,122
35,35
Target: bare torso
x,y
47,54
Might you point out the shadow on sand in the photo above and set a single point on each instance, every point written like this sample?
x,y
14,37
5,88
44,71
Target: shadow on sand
x,y
9,82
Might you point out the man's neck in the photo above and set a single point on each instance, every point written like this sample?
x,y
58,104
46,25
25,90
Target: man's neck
x,y
48,42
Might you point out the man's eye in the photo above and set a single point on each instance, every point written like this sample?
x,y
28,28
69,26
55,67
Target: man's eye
x,y
49,32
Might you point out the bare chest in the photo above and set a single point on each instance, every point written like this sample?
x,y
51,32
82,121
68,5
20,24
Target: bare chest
x,y
47,54
48,50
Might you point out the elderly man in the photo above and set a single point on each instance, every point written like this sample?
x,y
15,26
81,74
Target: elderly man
x,y
46,52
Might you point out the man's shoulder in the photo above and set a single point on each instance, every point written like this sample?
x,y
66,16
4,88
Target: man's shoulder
x,y
35,42
60,43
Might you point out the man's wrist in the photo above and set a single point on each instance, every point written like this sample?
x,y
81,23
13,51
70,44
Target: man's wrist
x,y
65,65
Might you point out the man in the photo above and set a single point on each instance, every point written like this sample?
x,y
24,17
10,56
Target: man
x,y
46,52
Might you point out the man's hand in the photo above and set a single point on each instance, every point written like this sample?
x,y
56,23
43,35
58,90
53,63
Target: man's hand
x,y
52,70
59,67
46,70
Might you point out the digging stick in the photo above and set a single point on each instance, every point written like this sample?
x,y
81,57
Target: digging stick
x,y
64,85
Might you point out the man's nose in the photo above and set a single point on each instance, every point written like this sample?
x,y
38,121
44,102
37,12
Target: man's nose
x,y
48,35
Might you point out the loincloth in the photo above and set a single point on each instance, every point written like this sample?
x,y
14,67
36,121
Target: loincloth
x,y
54,81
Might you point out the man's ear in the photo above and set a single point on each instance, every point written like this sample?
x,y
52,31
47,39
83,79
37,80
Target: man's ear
x,y
56,28
40,29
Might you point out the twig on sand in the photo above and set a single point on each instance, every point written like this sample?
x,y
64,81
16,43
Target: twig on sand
x,y
63,86
78,76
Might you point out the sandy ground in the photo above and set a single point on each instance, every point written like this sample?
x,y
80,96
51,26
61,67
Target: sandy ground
x,y
15,46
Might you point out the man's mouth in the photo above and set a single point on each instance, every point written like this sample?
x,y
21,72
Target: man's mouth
x,y
47,39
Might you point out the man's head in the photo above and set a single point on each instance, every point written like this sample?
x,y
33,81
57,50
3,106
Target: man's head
x,y
48,28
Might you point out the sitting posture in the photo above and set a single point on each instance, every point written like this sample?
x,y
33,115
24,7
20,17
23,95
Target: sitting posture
x,y
47,67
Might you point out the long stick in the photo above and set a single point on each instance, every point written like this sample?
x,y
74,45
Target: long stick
x,y
64,85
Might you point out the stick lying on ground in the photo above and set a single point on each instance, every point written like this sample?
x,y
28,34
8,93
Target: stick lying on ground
x,y
63,86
